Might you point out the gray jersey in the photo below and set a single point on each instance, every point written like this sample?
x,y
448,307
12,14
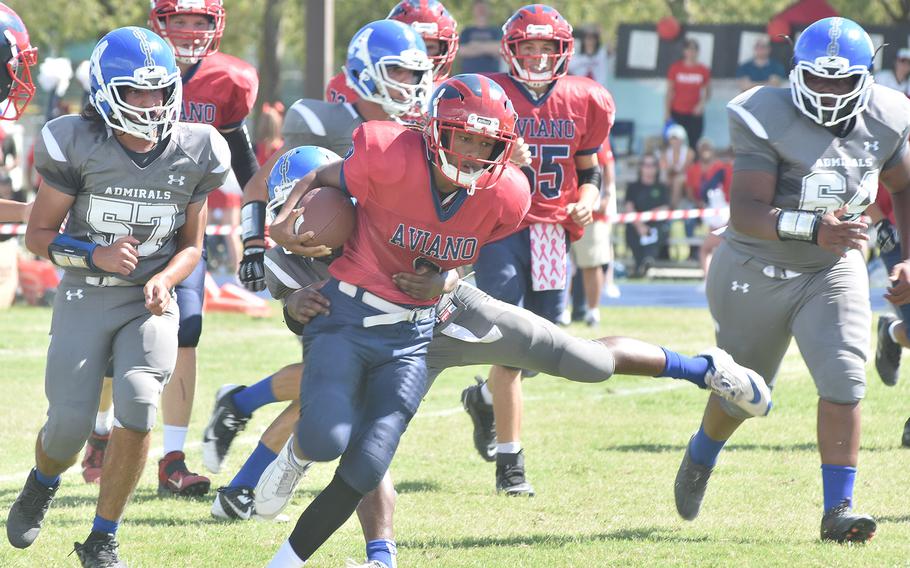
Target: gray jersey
x,y
114,197
285,272
815,170
317,123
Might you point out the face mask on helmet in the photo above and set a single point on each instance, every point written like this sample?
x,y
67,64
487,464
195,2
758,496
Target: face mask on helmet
x,y
537,44
193,28
291,167
16,85
433,22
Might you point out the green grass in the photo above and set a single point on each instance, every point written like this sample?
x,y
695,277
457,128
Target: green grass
x,y
602,458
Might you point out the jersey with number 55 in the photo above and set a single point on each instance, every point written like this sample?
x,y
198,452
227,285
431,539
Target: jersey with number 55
x,y
114,197
815,169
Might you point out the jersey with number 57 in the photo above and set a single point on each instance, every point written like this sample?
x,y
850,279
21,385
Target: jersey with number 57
x,y
114,197
573,118
815,169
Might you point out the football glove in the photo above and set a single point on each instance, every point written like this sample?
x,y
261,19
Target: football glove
x,y
252,269
886,235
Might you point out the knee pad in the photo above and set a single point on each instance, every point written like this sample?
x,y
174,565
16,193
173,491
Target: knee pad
x,y
190,330
586,361
136,396
365,467
320,445
190,295
66,430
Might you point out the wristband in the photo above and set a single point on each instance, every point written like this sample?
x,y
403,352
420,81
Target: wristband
x,y
794,225
252,219
68,252
594,176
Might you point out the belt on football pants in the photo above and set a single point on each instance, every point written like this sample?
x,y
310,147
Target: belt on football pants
x,y
393,312
108,281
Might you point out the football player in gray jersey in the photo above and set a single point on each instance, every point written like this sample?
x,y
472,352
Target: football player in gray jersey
x,y
472,328
807,163
131,183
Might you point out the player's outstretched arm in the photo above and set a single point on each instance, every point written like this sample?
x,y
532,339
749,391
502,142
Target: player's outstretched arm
x,y
14,211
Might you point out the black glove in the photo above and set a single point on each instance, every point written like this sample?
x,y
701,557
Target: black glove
x,y
252,269
886,235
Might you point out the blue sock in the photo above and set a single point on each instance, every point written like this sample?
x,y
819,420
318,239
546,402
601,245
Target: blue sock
x,y
254,396
252,469
837,484
692,369
384,551
103,525
45,480
703,449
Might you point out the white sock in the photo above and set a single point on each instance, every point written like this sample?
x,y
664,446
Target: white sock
x,y
892,329
486,394
301,464
174,438
286,558
104,421
508,447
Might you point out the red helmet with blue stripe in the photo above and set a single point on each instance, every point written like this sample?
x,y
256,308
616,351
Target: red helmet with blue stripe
x,y
537,22
17,57
432,21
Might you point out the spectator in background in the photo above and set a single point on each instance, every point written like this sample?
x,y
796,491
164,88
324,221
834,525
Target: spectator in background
x,y
590,59
899,77
268,131
647,193
479,44
761,69
675,159
708,185
688,89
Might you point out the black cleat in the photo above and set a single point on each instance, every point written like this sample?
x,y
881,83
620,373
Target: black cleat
x,y
841,524
905,439
510,475
233,504
481,415
27,513
690,485
887,352
98,551
223,426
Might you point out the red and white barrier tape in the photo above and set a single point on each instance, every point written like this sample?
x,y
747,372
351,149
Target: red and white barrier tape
x,y
641,216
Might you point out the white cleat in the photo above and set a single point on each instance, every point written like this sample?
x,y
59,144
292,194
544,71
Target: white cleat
x,y
277,483
742,386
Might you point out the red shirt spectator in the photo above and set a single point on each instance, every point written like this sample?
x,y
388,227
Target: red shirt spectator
x,y
688,81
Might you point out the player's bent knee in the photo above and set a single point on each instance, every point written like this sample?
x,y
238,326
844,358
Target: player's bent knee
x,y
365,468
321,444
586,361
136,397
190,330
67,429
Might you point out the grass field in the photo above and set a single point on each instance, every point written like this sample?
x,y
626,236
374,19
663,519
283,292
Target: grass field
x,y
601,457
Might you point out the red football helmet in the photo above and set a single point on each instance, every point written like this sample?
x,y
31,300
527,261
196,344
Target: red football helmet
x,y
431,20
540,22
472,104
17,56
190,45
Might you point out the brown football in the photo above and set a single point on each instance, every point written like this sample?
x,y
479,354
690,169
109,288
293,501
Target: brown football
x,y
329,213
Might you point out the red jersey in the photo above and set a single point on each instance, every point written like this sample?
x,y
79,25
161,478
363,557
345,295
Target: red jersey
x,y
400,218
687,83
699,179
883,200
337,91
220,90
604,157
572,119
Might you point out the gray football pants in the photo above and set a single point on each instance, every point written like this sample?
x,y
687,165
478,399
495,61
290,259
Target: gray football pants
x,y
90,326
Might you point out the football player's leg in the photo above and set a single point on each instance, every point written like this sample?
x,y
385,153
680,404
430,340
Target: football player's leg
x,y
93,458
832,331
892,331
177,399
375,513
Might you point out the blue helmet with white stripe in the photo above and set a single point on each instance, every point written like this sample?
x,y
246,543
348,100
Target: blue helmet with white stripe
x,y
289,169
828,52
135,58
376,54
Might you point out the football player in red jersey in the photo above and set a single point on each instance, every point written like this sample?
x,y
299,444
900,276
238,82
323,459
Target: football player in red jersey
x,y
439,31
564,119
220,90
376,335
16,89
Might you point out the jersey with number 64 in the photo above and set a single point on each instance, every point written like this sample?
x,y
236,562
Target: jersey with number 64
x,y
815,170
114,197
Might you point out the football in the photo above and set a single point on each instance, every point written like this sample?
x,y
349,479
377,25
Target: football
x,y
329,213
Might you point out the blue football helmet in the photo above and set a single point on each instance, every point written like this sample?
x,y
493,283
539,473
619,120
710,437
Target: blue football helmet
x,y
289,169
832,48
374,51
135,58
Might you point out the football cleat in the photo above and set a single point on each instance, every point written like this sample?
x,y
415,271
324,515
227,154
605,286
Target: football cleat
x,y
223,426
510,475
841,524
742,386
277,483
94,457
349,563
690,485
481,415
887,352
98,551
174,479
233,503
905,439
27,513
